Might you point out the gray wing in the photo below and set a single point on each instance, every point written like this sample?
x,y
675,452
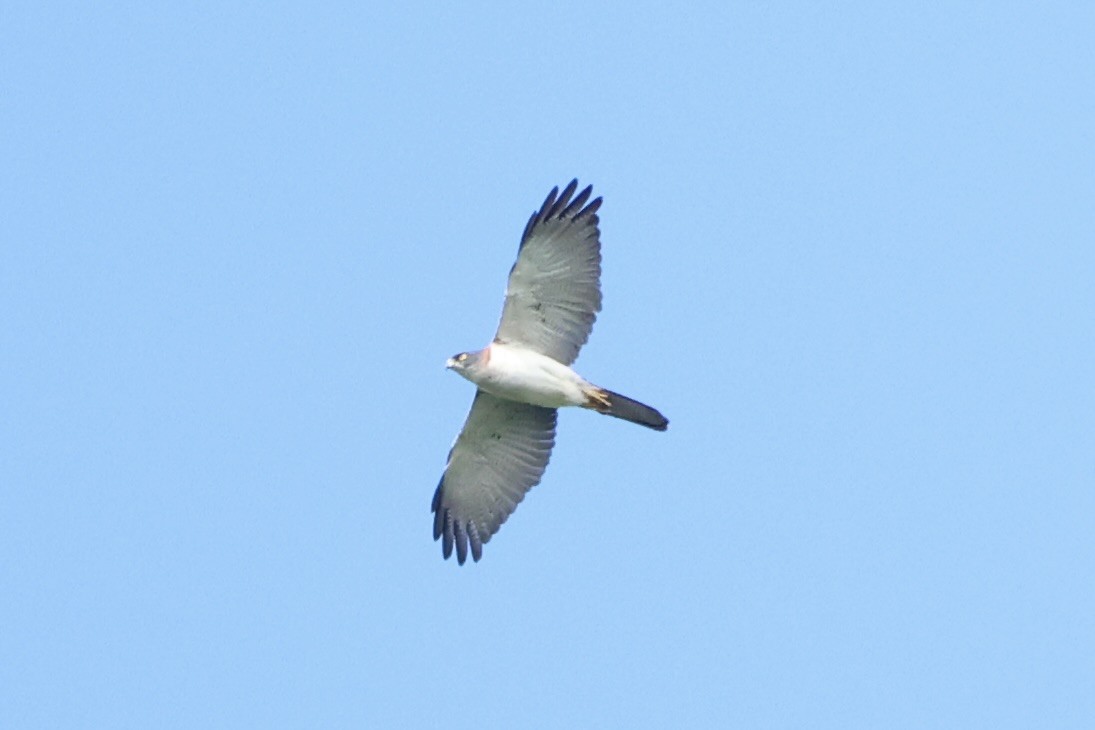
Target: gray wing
x,y
554,289
499,455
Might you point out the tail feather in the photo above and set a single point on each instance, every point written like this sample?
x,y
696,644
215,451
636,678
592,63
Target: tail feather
x,y
620,406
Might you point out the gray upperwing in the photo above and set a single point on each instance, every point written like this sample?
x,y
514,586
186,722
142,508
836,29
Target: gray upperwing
x,y
500,454
554,288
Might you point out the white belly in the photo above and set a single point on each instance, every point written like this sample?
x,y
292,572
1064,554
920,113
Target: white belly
x,y
529,377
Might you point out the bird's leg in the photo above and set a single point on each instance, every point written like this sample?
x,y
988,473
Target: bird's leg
x,y
598,399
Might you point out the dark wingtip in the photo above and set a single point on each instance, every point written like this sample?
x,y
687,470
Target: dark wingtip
x,y
454,534
476,543
549,202
438,512
547,212
592,207
575,206
446,542
461,542
567,192
560,205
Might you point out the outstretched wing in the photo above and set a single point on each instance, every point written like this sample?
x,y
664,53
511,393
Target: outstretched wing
x,y
554,290
501,454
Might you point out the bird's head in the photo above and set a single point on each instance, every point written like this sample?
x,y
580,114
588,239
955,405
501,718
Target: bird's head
x,y
464,362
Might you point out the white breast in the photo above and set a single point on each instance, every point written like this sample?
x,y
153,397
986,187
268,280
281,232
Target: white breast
x,y
529,377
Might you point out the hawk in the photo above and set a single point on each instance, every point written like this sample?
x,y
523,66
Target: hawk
x,y
524,375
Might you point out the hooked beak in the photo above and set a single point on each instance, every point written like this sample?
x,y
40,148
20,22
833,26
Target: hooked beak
x,y
450,363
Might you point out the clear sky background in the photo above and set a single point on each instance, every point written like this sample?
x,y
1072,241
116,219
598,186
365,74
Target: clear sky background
x,y
850,252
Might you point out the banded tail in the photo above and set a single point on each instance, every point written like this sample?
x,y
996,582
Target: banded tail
x,y
620,406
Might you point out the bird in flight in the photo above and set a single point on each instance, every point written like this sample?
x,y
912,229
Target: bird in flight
x,y
524,375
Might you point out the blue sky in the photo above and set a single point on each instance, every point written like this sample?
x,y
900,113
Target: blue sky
x,y
849,251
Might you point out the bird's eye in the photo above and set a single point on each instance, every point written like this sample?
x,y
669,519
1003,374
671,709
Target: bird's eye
x,y
462,357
